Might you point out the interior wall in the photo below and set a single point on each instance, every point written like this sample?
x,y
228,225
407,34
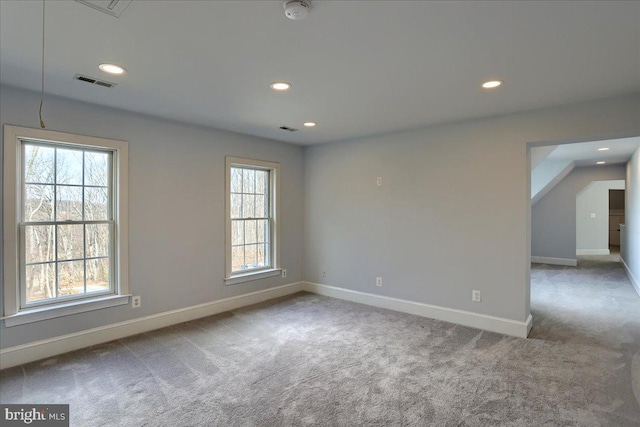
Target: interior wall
x,y
451,215
631,254
553,218
176,207
592,215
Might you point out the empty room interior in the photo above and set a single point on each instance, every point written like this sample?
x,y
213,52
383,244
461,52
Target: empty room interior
x,y
328,213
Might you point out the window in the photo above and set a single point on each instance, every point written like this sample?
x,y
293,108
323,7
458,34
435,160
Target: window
x,y
65,221
251,220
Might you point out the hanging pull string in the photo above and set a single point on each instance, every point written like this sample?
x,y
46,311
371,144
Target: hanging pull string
x,y
42,82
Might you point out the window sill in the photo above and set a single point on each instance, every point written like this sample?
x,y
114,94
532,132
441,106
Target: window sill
x,y
59,310
247,277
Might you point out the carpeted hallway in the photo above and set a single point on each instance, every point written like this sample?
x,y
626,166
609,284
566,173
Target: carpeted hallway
x,y
312,360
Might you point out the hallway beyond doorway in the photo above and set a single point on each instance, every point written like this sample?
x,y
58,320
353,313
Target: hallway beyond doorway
x,y
593,306
593,303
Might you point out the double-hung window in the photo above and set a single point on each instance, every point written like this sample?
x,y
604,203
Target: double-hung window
x,y
251,219
65,223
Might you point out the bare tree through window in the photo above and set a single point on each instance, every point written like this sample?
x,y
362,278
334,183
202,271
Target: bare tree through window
x,y
67,222
250,222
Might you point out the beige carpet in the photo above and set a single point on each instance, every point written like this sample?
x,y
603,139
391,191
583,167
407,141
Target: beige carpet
x,y
312,360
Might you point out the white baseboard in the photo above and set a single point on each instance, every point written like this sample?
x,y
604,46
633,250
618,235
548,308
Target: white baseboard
x,y
593,252
18,355
30,352
554,261
461,317
634,281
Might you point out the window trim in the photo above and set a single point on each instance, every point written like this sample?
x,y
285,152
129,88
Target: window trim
x,y
274,206
12,188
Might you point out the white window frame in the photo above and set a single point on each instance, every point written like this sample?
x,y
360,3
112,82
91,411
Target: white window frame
x,y
12,187
274,208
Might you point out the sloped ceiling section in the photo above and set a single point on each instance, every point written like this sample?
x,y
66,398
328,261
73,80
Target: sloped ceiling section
x,y
547,175
551,164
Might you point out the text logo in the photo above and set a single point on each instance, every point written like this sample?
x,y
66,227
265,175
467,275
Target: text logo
x,y
34,415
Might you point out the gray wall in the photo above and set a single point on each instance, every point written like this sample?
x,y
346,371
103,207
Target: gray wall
x,y
632,216
451,216
593,233
176,207
452,213
553,218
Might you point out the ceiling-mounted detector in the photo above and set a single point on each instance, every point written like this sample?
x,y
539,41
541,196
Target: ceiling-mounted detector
x,y
110,7
296,9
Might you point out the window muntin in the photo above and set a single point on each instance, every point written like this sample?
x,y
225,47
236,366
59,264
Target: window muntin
x,y
66,223
250,219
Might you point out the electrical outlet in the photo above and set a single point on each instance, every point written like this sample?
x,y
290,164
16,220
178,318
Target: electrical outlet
x,y
379,282
324,274
379,181
136,301
284,272
476,296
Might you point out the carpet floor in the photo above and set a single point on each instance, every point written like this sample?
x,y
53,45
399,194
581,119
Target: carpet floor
x,y
312,360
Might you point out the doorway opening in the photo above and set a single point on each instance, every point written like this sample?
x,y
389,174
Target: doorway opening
x,y
616,219
597,223
575,277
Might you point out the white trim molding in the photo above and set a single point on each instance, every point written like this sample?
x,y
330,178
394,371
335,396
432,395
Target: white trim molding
x,y
466,318
15,308
241,278
554,261
634,281
593,252
273,218
73,307
30,352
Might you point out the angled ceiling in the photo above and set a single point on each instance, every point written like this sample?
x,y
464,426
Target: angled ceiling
x,y
587,154
357,68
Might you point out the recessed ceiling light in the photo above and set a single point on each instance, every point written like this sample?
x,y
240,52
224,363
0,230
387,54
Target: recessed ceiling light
x,y
603,149
310,124
280,85
491,84
112,68
600,163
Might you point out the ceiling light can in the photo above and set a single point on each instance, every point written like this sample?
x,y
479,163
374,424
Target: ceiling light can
x,y
280,86
492,84
112,68
310,124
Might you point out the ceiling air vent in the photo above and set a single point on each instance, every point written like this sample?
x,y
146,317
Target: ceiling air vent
x,y
93,81
110,7
288,129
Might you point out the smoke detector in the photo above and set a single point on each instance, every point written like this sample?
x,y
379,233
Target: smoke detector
x,y
296,9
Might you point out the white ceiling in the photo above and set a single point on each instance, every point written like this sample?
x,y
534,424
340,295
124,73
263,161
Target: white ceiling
x,y
587,154
358,68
